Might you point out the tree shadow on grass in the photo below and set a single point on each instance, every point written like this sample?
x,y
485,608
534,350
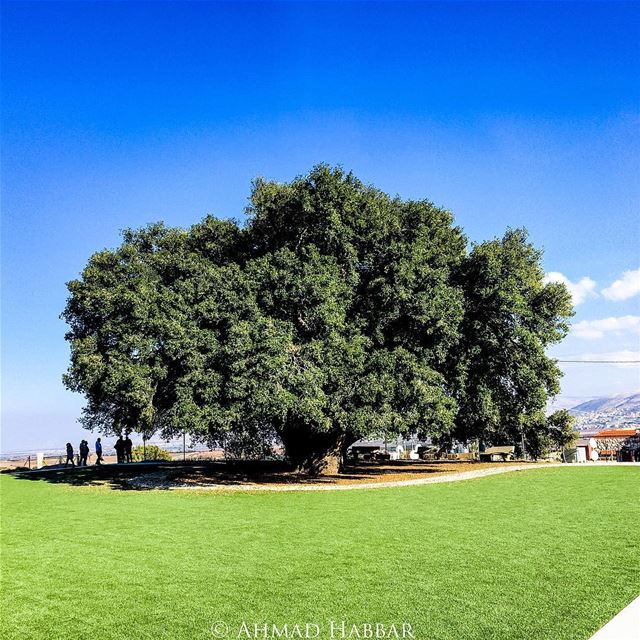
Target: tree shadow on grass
x,y
140,476
161,475
116,476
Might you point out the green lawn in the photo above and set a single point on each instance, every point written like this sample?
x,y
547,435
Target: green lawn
x,y
549,553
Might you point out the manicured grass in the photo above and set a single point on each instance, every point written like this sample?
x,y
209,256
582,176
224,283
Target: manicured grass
x,y
542,554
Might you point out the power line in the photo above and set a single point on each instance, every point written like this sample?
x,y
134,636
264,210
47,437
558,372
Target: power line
x,y
602,361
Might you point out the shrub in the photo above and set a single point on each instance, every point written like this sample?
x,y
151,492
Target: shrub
x,y
153,452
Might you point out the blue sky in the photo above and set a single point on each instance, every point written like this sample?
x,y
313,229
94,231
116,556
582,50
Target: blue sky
x,y
118,114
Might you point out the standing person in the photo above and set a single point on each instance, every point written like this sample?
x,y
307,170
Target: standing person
x,y
84,453
127,449
99,459
69,455
119,447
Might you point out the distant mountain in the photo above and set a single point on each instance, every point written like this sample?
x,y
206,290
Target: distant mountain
x,y
623,404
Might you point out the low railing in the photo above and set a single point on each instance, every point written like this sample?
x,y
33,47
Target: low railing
x,y
32,461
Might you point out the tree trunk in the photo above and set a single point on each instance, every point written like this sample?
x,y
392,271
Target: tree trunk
x,y
316,453
325,463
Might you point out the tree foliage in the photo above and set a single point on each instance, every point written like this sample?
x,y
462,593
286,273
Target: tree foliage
x,y
336,312
504,376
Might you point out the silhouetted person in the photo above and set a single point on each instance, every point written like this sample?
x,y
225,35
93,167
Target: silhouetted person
x,y
99,458
69,455
119,447
127,449
84,453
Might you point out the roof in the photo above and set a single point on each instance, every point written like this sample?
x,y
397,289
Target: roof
x,y
374,444
616,433
503,449
398,442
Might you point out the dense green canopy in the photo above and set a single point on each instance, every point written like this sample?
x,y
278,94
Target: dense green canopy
x,y
336,312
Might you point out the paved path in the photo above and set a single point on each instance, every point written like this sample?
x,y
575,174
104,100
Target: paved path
x,y
625,626
159,481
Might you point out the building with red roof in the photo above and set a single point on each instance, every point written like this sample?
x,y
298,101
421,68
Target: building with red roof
x,y
618,444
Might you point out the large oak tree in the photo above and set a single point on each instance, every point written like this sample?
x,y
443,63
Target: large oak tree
x,y
336,312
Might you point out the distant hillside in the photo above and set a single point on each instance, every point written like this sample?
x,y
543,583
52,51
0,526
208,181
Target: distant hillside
x,y
624,404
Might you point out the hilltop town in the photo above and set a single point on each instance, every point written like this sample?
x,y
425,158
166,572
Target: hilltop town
x,y
615,412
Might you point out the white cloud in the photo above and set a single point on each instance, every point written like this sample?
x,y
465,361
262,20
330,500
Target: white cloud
x,y
624,288
594,329
580,291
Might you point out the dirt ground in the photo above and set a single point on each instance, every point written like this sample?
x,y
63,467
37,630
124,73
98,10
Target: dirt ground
x,y
267,474
411,469
360,473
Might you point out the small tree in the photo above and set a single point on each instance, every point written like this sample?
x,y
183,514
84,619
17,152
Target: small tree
x,y
561,429
543,434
